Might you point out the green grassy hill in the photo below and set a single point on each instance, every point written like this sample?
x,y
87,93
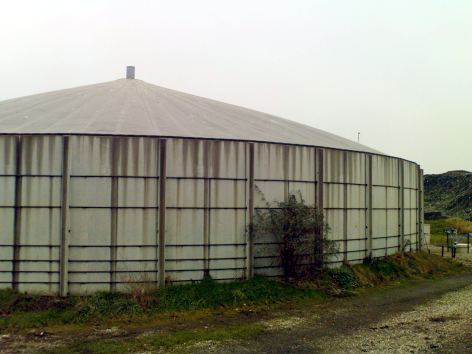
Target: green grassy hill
x,y
448,193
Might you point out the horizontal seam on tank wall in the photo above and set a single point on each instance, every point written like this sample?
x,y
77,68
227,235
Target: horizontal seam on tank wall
x,y
203,259
380,237
36,246
29,282
385,185
30,206
383,248
210,244
111,246
116,271
30,260
386,208
110,261
33,271
209,208
333,208
113,176
209,178
114,207
46,176
284,180
200,269
347,183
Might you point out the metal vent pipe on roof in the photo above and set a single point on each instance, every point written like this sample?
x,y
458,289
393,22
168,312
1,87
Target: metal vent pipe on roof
x,y
130,72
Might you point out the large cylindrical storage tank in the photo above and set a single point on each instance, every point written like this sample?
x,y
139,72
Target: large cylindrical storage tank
x,y
124,181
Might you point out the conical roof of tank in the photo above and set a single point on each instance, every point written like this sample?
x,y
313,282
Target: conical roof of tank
x,y
134,107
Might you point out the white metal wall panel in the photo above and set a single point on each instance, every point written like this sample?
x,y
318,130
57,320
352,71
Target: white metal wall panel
x,y
185,193
137,157
91,155
379,232
335,220
334,170
356,225
228,194
41,191
137,192
184,227
356,168
90,192
333,195
379,197
270,161
392,197
356,196
8,154
301,163
7,191
185,157
227,227
226,159
41,155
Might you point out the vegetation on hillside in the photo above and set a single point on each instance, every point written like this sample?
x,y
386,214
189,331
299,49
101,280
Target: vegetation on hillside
x,y
449,194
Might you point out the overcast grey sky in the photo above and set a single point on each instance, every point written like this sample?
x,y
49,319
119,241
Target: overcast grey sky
x,y
399,72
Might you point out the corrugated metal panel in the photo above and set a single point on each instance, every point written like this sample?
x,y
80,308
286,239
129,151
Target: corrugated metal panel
x,y
334,196
7,191
137,156
271,161
42,155
90,192
355,168
356,196
379,197
227,194
356,226
269,192
137,192
41,191
334,170
91,155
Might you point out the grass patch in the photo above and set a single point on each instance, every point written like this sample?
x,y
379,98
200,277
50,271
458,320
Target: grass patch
x,y
22,311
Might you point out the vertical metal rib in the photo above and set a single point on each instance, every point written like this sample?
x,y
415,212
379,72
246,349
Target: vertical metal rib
x,y
162,209
250,209
17,222
65,220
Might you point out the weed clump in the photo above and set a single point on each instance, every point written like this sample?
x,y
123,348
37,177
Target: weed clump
x,y
299,233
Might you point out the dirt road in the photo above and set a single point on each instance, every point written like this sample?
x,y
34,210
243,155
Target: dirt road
x,y
431,317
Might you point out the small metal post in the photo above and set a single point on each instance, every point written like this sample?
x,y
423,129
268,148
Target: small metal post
x,y
442,252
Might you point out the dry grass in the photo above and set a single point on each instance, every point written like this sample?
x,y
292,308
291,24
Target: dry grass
x,y
462,226
141,289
